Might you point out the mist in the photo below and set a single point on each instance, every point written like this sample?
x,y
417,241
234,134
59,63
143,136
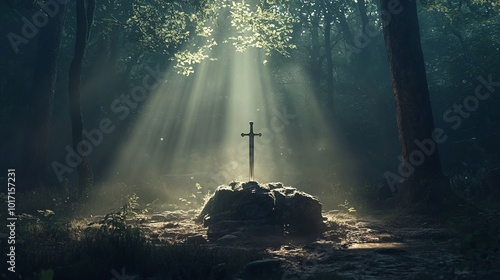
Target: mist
x,y
125,139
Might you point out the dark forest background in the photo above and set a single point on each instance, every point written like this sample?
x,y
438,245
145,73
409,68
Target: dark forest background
x,y
387,111
343,60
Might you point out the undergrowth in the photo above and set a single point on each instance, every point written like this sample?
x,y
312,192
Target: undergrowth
x,y
52,248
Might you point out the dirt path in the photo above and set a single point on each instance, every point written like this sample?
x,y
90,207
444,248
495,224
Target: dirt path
x,y
355,247
368,248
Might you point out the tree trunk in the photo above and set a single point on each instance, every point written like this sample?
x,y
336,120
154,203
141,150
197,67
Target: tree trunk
x,y
346,31
460,38
364,53
347,34
35,161
315,56
424,181
330,106
315,66
84,16
363,14
113,48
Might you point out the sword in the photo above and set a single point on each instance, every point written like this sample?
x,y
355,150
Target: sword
x,y
251,136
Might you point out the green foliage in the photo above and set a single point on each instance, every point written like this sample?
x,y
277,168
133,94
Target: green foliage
x,y
186,58
39,236
461,38
165,27
115,222
59,249
69,253
456,8
160,24
265,28
479,240
46,274
28,5
60,200
469,185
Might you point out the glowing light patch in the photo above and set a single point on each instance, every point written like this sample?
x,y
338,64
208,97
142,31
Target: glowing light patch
x,y
199,120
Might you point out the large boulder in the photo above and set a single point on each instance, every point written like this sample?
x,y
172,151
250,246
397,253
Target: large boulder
x,y
259,209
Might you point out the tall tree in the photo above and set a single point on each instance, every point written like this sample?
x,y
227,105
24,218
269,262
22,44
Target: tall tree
x,y
329,59
424,179
42,98
315,57
84,18
318,18
363,14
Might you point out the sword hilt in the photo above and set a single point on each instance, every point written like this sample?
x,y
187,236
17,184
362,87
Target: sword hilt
x,y
250,135
251,132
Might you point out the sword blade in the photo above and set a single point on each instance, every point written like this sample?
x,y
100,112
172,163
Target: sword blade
x,y
251,136
251,157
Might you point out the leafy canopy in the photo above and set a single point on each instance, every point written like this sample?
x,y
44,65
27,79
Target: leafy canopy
x,y
188,31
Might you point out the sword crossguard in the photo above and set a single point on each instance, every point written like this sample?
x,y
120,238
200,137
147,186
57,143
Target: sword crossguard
x,y
251,132
248,134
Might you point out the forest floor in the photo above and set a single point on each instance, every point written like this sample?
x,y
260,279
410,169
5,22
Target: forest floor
x,y
376,245
167,243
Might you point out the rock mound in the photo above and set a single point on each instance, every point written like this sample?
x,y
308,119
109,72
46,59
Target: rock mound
x,y
254,208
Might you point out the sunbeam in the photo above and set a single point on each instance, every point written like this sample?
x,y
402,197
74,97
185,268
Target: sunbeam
x,y
188,130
